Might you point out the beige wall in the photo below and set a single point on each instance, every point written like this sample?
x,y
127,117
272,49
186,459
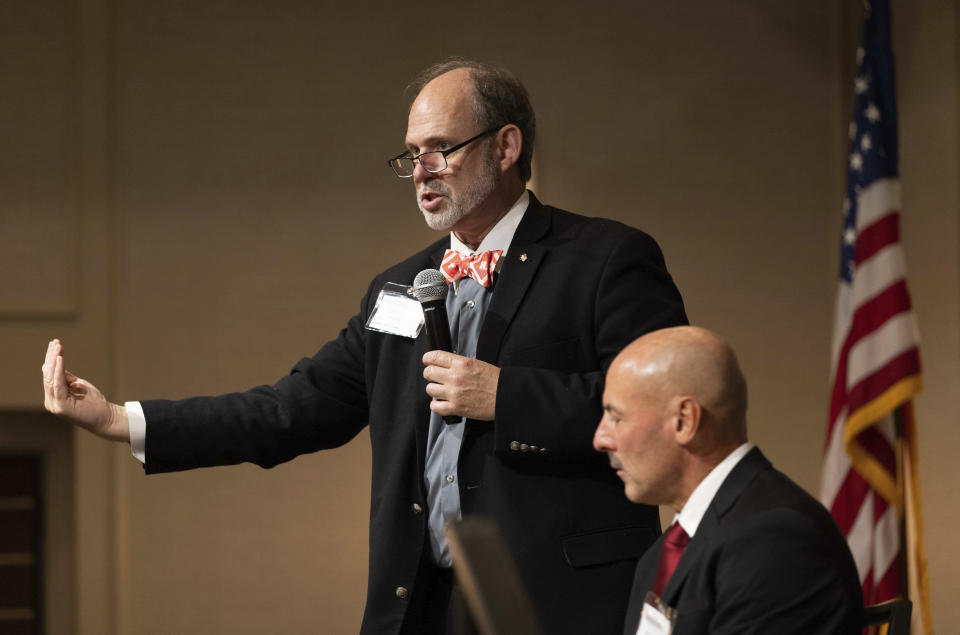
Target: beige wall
x,y
187,185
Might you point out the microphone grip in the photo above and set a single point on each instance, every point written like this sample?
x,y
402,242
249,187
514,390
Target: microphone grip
x,y
437,325
438,333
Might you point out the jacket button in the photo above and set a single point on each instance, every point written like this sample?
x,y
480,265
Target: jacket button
x,y
524,447
514,446
416,508
402,592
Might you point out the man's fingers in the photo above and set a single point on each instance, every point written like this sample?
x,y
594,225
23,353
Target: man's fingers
x,y
59,383
437,374
437,391
53,349
439,358
460,385
441,407
78,388
51,390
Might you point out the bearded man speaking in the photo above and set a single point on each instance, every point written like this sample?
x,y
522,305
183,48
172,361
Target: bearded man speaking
x,y
538,300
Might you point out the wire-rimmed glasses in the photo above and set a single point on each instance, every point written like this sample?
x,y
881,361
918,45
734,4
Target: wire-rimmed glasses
x,y
434,161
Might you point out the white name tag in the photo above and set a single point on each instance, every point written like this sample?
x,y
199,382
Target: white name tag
x,y
396,312
656,618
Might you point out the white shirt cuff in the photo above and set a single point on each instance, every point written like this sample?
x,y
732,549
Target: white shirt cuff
x,y
138,430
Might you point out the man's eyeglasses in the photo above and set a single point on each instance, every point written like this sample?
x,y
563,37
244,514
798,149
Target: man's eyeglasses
x,y
434,161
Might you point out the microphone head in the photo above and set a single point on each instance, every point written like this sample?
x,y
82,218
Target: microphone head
x,y
429,285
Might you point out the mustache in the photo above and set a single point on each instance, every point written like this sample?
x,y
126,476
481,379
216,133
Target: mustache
x,y
615,462
434,188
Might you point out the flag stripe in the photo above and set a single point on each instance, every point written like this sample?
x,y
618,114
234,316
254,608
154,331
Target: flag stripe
x,y
873,386
888,585
848,505
867,319
860,538
872,351
841,323
886,549
873,238
877,273
836,463
876,200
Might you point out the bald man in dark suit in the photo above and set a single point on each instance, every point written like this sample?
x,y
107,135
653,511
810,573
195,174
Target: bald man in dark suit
x,y
749,551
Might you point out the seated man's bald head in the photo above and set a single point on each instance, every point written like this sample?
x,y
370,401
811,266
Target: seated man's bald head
x,y
675,405
688,360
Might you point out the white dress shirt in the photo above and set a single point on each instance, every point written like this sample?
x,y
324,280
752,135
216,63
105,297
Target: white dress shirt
x,y
696,506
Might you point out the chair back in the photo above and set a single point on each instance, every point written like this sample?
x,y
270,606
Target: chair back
x,y
489,581
895,613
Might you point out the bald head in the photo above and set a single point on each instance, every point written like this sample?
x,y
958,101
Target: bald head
x,y
448,96
688,360
674,406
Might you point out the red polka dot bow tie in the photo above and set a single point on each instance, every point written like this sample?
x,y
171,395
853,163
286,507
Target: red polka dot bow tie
x,y
479,266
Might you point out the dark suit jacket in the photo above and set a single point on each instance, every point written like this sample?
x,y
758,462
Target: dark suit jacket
x,y
571,293
766,558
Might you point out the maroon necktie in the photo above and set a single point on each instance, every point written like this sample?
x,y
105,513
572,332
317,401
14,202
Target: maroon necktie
x,y
674,543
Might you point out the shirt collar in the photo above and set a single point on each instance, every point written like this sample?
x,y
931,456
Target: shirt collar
x,y
502,233
696,506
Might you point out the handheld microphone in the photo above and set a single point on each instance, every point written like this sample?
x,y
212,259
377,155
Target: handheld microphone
x,y
430,289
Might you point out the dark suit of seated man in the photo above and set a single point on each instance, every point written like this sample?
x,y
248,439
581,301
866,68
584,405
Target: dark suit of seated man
x,y
749,550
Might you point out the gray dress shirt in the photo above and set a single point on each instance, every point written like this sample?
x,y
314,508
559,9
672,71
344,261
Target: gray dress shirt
x,y
465,310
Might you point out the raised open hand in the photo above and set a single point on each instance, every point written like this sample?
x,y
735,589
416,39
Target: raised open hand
x,y
79,401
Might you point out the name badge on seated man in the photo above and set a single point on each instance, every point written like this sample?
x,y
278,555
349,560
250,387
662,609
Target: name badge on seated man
x,y
656,618
396,312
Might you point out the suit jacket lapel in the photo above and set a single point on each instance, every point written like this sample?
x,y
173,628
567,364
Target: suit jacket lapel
x,y
726,496
437,255
698,545
737,481
646,573
521,264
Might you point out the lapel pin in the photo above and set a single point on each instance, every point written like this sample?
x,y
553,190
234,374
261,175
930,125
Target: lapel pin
x,y
523,257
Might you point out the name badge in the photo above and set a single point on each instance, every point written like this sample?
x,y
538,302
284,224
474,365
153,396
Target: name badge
x,y
656,618
396,312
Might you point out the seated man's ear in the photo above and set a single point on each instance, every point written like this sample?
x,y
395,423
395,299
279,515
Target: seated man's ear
x,y
687,420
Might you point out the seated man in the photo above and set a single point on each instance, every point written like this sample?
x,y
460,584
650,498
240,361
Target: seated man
x,y
749,551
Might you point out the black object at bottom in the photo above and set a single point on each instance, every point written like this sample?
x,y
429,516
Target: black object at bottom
x,y
437,325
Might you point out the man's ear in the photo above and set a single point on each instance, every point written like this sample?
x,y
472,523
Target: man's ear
x,y
509,142
687,413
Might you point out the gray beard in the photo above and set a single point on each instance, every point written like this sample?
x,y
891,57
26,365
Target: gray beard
x,y
455,209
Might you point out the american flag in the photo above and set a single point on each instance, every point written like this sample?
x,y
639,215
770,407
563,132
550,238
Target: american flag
x,y
875,359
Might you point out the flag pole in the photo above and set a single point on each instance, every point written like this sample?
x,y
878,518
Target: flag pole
x,y
902,554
